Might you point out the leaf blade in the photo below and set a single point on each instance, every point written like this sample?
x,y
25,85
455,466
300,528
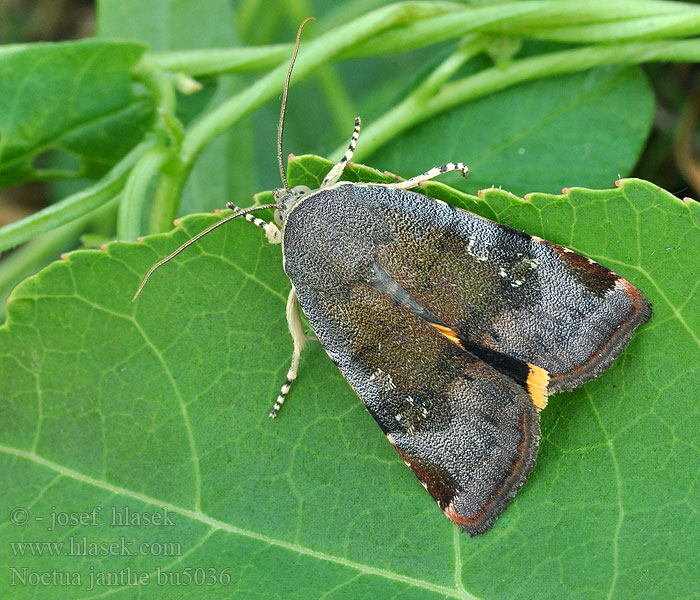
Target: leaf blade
x,y
320,485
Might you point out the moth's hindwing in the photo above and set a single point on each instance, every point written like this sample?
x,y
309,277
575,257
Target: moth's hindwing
x,y
453,329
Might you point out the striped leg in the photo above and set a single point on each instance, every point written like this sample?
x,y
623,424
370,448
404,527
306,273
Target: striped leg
x,y
272,233
337,170
296,328
427,176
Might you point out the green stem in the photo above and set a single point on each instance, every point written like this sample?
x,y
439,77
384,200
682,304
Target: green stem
x,y
167,196
73,206
564,21
410,112
583,21
641,28
558,63
315,54
159,82
389,124
214,61
135,192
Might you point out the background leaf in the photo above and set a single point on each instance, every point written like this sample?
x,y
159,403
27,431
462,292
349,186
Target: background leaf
x,y
164,403
540,135
73,100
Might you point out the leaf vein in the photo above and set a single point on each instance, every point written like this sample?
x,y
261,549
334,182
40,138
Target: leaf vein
x,y
197,515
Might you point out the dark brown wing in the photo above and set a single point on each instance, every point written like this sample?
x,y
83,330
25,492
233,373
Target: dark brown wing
x,y
449,327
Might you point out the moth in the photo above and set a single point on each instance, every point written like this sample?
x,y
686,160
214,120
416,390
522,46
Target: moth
x,y
451,328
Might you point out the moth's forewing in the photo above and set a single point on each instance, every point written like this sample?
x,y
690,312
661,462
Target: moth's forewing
x,y
441,349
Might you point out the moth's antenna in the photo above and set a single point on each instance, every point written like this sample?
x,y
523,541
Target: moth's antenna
x,y
238,213
280,129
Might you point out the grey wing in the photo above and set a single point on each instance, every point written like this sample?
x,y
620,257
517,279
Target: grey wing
x,y
439,319
504,290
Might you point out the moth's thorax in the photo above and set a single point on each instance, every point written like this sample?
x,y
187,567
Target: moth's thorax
x,y
331,235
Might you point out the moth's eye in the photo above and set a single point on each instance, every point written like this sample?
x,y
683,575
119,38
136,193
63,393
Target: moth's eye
x,y
277,216
301,189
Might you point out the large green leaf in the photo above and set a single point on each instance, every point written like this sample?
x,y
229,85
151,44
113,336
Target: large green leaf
x,y
164,403
73,100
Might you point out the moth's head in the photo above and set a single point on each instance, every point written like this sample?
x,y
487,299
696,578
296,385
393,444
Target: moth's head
x,y
286,199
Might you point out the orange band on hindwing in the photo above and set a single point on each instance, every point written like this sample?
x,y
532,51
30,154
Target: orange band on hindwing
x,y
537,378
537,382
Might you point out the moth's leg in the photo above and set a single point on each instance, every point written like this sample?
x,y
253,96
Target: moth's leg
x,y
337,170
296,328
427,176
272,233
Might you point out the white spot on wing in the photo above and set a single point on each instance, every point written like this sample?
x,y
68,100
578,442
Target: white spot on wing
x,y
480,257
383,380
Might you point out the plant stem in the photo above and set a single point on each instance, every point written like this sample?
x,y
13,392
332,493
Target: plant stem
x,y
135,192
73,206
582,21
159,82
570,22
392,122
167,196
215,61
